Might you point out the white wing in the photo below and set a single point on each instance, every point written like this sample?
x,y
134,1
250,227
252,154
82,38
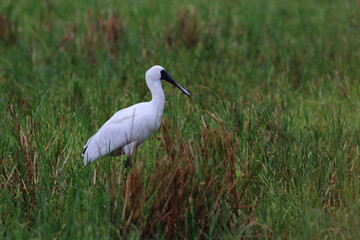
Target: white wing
x,y
117,132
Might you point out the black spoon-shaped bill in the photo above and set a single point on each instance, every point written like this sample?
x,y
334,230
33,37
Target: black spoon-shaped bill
x,y
166,76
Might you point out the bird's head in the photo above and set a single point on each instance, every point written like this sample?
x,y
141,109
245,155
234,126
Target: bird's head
x,y
157,73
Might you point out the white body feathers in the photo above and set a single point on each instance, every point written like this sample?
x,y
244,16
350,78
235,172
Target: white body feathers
x,y
123,132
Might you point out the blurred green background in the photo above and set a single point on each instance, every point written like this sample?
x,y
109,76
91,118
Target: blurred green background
x,y
275,94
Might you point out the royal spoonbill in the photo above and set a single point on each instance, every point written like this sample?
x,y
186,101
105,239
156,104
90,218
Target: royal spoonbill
x,y
130,127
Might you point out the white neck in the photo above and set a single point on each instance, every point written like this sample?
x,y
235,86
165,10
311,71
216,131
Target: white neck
x,y
158,97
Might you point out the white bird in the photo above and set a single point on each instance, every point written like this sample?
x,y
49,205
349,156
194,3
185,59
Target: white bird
x,y
130,127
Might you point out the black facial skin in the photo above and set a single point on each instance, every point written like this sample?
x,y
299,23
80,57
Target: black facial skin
x,y
166,76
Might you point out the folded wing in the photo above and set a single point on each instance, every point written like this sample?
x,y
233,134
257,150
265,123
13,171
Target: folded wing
x,y
116,133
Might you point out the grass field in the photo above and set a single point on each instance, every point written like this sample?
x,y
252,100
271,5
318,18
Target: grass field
x,y
267,147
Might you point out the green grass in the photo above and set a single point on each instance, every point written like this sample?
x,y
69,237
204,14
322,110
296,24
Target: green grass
x,y
268,146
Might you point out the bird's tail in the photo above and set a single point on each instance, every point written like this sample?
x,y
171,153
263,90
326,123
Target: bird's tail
x,y
84,155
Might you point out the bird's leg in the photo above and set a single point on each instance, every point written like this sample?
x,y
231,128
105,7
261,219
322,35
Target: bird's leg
x,y
127,167
128,162
129,149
